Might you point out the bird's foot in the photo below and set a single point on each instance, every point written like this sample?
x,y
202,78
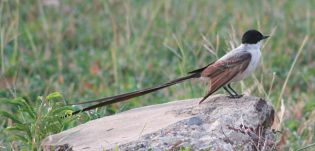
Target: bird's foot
x,y
236,96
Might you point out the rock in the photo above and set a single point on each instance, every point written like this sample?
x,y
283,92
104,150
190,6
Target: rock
x,y
194,121
220,123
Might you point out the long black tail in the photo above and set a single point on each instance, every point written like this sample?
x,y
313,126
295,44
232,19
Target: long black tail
x,y
127,96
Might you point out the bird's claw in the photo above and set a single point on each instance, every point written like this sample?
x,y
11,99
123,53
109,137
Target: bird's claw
x,y
236,96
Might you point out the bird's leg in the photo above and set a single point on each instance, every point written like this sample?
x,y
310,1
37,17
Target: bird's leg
x,y
230,93
236,94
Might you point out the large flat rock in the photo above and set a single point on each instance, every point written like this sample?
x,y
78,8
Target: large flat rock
x,y
220,123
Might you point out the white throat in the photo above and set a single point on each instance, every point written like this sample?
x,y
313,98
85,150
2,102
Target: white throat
x,y
252,46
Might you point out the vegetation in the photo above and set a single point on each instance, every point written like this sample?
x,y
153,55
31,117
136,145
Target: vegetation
x,y
54,52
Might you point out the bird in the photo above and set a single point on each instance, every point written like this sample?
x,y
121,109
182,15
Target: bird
x,y
233,67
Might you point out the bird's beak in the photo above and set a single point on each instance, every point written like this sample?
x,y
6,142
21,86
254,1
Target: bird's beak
x,y
265,37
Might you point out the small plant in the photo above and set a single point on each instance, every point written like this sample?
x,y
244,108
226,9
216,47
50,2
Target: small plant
x,y
27,124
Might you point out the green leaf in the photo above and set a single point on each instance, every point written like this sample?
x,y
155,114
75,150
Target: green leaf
x,y
61,110
20,127
17,137
292,124
13,102
28,108
10,116
309,106
21,103
53,96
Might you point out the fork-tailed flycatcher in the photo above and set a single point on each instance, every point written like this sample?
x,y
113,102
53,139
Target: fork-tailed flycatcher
x,y
232,67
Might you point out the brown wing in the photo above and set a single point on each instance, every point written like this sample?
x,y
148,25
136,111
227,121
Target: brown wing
x,y
201,69
222,72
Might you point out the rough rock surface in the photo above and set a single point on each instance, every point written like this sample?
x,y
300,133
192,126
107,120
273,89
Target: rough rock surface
x,y
220,123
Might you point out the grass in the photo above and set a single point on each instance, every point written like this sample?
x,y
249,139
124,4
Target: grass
x,y
92,49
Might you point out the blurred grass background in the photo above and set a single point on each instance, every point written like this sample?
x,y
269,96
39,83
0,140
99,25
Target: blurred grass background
x,y
91,49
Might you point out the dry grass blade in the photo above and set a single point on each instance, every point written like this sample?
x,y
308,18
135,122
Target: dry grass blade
x,y
271,84
306,147
279,119
291,69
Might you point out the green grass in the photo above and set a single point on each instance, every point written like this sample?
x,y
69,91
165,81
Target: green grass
x,y
92,49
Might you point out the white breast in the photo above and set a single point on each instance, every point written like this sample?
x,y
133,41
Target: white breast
x,y
255,59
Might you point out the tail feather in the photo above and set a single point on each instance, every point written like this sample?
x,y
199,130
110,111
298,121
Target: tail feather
x,y
127,96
